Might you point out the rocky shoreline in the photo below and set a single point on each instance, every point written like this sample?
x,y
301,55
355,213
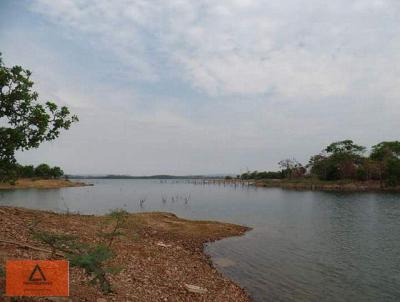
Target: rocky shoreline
x,y
161,255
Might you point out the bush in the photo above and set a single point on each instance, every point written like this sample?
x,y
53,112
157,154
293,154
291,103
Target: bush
x,y
92,258
118,217
57,242
362,173
393,172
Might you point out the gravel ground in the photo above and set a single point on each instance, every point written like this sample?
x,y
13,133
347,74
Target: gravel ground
x,y
158,254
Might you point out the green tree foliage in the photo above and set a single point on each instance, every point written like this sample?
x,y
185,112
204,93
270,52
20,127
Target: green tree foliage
x,y
92,260
29,171
392,172
343,160
43,171
262,175
291,168
324,167
26,122
339,160
386,150
56,172
387,154
26,171
345,147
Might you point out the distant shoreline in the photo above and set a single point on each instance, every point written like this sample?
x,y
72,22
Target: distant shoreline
x,y
29,183
315,185
162,176
347,186
291,184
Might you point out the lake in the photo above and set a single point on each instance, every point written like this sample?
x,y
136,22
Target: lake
x,y
304,246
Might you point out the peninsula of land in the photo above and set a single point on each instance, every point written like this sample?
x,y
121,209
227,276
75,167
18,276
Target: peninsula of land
x,y
32,183
160,256
316,185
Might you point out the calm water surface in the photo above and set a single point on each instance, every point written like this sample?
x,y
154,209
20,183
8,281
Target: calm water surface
x,y
305,246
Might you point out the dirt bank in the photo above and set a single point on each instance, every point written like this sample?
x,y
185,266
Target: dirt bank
x,y
159,253
349,186
27,183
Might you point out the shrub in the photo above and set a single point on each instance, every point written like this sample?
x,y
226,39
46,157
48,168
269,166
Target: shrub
x,y
57,242
362,173
91,258
393,172
119,217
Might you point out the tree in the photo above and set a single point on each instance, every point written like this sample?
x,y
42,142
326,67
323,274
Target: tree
x,y
344,159
56,172
393,172
27,123
245,176
369,170
43,170
345,147
324,167
291,168
26,171
387,154
386,150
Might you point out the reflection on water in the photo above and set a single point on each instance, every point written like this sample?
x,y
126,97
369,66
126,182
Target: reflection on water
x,y
305,246
223,262
50,199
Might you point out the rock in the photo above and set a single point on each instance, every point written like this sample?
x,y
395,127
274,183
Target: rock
x,y
195,289
163,244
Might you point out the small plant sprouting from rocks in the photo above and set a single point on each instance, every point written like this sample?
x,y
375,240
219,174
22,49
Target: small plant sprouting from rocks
x,y
57,242
119,217
91,258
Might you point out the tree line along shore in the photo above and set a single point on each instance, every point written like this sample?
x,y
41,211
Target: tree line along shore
x,y
342,165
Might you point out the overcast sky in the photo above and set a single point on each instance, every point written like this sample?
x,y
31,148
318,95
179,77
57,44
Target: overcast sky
x,y
193,86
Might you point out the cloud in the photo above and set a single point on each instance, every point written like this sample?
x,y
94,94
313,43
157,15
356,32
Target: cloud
x,y
307,49
209,86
